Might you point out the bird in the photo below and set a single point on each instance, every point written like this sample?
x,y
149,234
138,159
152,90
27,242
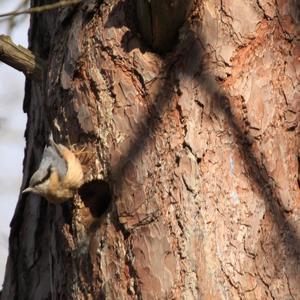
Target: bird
x,y
58,176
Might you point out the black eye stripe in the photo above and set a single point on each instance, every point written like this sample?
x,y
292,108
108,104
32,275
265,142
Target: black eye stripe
x,y
48,174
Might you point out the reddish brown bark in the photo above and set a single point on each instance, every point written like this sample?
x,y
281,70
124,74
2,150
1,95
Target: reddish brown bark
x,y
194,157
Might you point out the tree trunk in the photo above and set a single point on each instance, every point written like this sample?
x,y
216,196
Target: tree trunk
x,y
191,158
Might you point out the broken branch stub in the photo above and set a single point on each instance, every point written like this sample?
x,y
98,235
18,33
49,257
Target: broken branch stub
x,y
20,58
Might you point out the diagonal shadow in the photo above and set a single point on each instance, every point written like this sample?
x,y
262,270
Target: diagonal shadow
x,y
257,172
148,125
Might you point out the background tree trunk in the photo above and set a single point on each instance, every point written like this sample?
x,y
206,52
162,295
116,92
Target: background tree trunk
x,y
193,157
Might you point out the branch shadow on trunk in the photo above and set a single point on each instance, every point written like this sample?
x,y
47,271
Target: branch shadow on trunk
x,y
257,172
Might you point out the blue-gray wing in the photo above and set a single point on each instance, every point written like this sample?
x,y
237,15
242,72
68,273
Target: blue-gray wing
x,y
50,162
52,158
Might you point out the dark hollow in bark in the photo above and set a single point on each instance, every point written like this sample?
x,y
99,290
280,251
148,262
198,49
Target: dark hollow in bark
x,y
96,196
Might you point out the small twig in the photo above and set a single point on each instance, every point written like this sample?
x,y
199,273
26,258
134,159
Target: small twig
x,y
20,58
43,8
12,21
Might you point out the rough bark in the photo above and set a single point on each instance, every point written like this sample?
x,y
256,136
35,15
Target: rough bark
x,y
192,172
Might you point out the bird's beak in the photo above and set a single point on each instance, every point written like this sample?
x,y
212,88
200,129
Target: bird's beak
x,y
27,190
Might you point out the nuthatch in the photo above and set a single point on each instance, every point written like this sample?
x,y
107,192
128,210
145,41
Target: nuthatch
x,y
59,174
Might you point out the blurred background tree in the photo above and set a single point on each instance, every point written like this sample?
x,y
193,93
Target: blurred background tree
x,y
12,125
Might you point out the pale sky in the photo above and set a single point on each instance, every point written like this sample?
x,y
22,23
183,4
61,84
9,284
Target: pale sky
x,y
12,127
